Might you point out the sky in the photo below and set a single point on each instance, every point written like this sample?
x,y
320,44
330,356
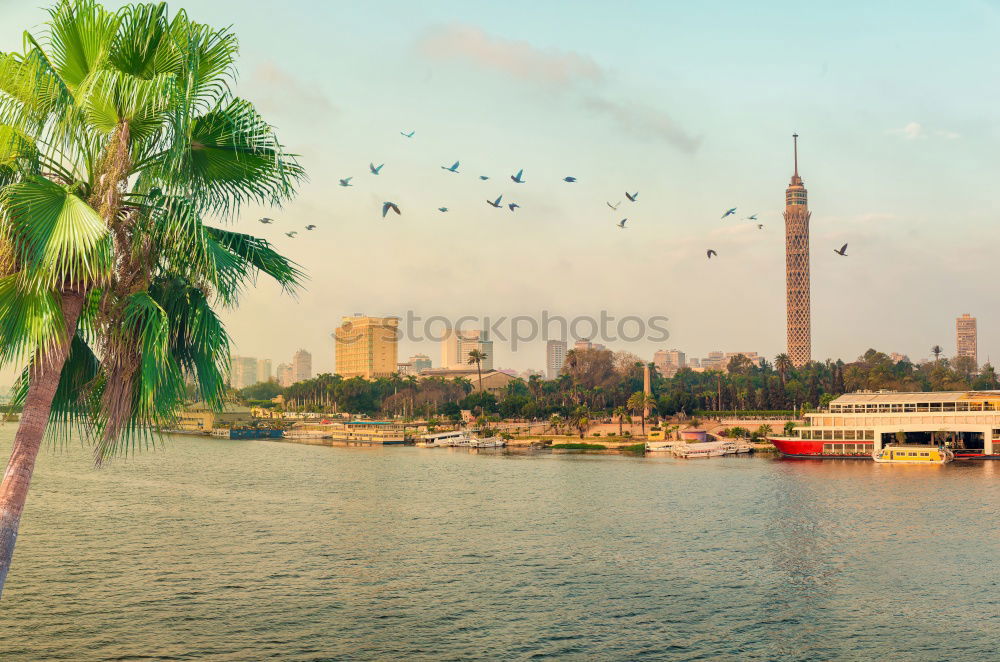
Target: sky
x,y
691,104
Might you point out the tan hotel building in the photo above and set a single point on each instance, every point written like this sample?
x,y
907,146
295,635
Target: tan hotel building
x,y
367,346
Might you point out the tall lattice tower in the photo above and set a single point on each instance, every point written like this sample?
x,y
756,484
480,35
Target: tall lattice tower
x,y
797,267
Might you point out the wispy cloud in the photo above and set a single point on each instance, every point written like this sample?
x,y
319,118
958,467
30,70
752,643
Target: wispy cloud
x,y
515,58
292,93
569,72
917,131
645,122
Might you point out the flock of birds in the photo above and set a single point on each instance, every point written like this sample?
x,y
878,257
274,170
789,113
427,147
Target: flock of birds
x,y
518,178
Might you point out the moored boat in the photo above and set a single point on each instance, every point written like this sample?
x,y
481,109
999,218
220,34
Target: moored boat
x,y
912,454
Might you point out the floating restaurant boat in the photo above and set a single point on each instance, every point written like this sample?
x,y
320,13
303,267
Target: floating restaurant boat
x,y
856,425
912,454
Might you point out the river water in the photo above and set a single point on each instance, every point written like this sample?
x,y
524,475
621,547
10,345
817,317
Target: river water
x,y
246,550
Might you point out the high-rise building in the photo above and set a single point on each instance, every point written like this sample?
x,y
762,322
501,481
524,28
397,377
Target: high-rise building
x,y
456,345
302,366
797,302
555,357
580,345
966,337
420,362
285,375
264,370
668,361
242,371
367,347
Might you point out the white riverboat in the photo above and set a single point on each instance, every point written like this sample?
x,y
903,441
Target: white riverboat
x,y
446,439
701,449
488,442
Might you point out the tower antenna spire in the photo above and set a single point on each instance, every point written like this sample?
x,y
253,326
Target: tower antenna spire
x,y
795,140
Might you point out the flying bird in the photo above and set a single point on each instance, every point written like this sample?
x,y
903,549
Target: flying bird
x,y
760,226
442,209
266,220
512,206
569,179
310,227
842,251
517,178
710,253
453,168
613,206
291,234
346,181
729,212
386,206
752,217
484,177
375,171
631,196
622,223
407,135
495,203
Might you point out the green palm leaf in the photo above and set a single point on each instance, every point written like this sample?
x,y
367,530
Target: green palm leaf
x,y
57,237
30,320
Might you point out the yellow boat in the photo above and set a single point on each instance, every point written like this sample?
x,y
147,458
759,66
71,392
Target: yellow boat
x,y
912,454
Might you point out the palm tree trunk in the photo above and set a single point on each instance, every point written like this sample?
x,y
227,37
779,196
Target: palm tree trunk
x,y
30,431
479,369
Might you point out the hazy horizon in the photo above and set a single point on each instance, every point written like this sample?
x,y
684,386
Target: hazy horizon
x,y
692,106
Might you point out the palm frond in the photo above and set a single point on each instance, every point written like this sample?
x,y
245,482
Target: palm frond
x,y
256,256
57,237
31,321
79,38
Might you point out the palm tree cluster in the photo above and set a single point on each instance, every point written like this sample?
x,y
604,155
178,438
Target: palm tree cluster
x,y
119,140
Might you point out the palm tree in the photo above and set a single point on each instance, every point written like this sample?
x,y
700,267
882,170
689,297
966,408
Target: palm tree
x,y
783,366
639,402
119,138
580,419
476,358
937,352
622,414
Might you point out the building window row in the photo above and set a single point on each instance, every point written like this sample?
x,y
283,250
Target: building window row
x,y
838,435
893,408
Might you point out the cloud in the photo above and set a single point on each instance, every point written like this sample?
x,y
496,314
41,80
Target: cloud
x,y
515,58
645,122
565,71
917,131
290,91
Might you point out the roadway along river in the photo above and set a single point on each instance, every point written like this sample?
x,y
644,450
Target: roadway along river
x,y
222,550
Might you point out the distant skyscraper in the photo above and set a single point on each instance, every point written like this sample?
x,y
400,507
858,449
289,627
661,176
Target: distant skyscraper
x,y
420,362
456,345
967,337
242,371
285,375
264,370
668,361
797,303
302,366
367,347
555,357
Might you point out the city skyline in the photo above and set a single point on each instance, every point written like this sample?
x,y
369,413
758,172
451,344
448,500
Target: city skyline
x,y
902,180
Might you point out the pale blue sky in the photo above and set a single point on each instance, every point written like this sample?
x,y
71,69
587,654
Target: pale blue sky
x,y
692,104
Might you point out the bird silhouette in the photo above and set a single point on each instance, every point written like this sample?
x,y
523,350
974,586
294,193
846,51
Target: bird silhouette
x,y
266,220
346,181
291,234
710,253
484,177
512,206
495,203
842,252
752,217
613,206
375,170
569,179
517,178
310,227
760,226
442,209
729,212
386,206
631,196
453,168
407,135
621,224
